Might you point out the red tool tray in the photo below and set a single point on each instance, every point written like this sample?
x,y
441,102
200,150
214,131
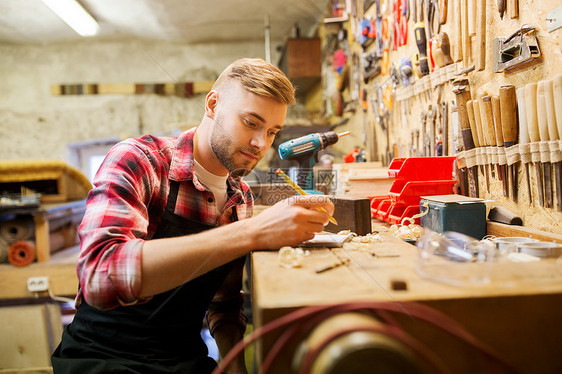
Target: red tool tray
x,y
414,177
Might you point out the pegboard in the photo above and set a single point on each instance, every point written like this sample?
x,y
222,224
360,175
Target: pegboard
x,y
390,120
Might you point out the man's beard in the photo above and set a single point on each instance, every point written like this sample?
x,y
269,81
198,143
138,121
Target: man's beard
x,y
224,147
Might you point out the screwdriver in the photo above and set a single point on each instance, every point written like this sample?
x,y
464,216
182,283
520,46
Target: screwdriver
x,y
421,41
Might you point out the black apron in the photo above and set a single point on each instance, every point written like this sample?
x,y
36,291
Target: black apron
x,y
160,336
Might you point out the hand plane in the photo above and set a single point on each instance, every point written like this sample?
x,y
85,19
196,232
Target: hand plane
x,y
518,48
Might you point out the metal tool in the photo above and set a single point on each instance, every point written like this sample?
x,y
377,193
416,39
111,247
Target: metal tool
x,y
557,96
305,150
534,134
501,8
462,94
500,142
514,50
445,132
421,39
524,134
482,137
542,120
508,104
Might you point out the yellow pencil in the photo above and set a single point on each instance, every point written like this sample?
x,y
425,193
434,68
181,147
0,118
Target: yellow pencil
x,y
297,188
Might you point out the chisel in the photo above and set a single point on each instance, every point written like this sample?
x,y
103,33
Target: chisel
x,y
508,109
557,96
544,135
481,138
488,124
553,133
524,134
490,173
534,135
462,94
499,141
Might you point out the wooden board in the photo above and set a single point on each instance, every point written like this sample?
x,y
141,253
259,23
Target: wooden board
x,y
277,291
30,334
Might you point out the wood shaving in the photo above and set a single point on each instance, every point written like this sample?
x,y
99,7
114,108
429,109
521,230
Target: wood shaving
x,y
362,243
410,232
290,257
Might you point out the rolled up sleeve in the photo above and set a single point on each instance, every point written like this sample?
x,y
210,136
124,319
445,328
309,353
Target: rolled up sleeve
x,y
114,228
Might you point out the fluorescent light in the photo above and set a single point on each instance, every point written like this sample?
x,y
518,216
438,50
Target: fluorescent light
x,y
74,15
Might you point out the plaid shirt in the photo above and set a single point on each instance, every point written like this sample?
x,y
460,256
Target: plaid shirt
x,y
125,207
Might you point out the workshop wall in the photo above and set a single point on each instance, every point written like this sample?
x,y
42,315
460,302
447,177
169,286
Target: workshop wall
x,y
391,104
34,124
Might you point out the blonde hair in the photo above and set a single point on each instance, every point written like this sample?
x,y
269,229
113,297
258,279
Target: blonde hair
x,y
259,77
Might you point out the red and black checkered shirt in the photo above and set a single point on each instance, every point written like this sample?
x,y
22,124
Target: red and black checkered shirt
x,y
125,207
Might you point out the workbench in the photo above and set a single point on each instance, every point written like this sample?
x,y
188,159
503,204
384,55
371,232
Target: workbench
x,y
517,313
35,326
44,213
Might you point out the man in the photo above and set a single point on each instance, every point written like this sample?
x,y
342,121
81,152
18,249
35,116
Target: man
x,y
166,230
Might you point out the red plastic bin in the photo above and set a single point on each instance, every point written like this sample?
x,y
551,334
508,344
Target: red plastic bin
x,y
414,177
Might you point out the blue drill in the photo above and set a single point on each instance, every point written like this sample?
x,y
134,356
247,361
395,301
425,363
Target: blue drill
x,y
305,150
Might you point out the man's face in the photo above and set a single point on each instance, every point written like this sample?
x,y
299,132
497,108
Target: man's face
x,y
245,126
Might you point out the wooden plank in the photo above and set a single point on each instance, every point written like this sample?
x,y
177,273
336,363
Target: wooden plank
x,y
528,288
42,245
61,271
31,336
503,230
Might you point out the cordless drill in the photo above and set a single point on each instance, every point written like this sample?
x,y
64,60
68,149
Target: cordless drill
x,y
305,150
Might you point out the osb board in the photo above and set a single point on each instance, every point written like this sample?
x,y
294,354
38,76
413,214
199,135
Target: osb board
x,y
30,336
406,115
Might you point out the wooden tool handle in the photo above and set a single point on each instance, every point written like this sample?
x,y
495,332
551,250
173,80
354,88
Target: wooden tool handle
x,y
437,52
531,111
472,122
522,115
465,33
550,114
508,107
458,17
478,121
445,46
542,120
444,9
557,95
497,120
482,35
489,117
513,8
471,5
462,98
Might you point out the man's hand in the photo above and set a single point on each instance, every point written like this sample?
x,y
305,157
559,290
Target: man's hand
x,y
291,221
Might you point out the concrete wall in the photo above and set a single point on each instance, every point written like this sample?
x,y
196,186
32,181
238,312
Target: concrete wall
x,y
34,124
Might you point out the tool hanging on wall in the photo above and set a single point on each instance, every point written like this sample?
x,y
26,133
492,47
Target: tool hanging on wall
x,y
544,135
557,98
501,8
461,89
500,144
508,109
482,35
421,39
534,135
524,135
514,50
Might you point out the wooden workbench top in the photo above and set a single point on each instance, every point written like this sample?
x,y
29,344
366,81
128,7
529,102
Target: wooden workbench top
x,y
368,277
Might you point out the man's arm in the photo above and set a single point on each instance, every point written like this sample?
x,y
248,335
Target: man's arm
x,y
169,262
